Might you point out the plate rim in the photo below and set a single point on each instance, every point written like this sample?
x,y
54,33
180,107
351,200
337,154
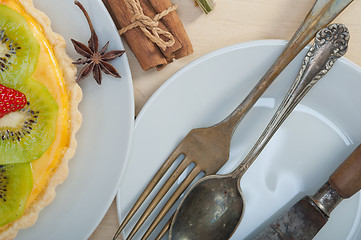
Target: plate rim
x,y
131,122
129,119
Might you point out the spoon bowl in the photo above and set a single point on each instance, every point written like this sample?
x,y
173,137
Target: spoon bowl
x,y
214,206
202,218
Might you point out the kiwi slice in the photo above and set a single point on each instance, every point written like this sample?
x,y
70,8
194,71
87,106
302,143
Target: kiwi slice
x,y
19,50
27,133
16,183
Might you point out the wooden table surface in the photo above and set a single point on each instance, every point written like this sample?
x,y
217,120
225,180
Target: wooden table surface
x,y
231,22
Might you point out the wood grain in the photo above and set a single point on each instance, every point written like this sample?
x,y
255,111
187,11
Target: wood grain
x,y
231,22
347,177
108,225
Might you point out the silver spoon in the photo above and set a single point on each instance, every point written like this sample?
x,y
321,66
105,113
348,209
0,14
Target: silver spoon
x,y
214,206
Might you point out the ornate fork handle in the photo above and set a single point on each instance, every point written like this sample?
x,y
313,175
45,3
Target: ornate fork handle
x,y
321,14
330,44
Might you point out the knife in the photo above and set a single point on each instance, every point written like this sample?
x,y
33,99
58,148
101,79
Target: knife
x,y
306,218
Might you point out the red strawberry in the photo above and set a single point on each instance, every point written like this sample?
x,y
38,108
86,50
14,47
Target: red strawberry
x,y
11,100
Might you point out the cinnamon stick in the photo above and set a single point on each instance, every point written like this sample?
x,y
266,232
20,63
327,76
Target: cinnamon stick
x,y
149,11
147,52
175,26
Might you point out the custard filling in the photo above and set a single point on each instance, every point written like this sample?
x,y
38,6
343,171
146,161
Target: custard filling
x,y
47,72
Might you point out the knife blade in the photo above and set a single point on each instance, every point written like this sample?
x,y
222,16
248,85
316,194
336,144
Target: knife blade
x,y
306,218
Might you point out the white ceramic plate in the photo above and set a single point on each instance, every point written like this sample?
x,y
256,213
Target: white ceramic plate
x,y
308,147
104,138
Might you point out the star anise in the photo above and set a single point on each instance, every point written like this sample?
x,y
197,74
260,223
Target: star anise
x,y
94,61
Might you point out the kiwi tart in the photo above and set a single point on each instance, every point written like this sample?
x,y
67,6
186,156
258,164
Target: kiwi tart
x,y
37,133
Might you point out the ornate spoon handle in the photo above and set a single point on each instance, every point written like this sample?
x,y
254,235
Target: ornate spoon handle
x,y
330,44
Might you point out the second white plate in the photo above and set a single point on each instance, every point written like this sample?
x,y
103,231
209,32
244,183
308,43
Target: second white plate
x,y
308,147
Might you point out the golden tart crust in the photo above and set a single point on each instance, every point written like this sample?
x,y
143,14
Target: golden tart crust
x,y
60,170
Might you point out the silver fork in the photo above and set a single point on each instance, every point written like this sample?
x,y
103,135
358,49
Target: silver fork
x,y
208,148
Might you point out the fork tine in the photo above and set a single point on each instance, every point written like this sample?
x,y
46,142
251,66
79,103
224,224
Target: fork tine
x,y
192,175
164,229
174,155
167,185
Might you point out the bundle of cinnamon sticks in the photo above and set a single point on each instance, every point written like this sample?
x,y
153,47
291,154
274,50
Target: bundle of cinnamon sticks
x,y
148,52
